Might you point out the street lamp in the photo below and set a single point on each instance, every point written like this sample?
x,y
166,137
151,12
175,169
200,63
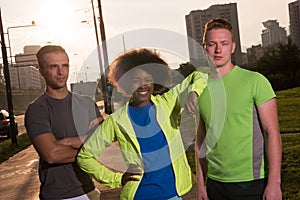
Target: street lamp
x,y
13,125
9,46
13,27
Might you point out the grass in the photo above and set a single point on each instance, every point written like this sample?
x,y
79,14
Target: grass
x,y
7,149
288,103
289,117
290,168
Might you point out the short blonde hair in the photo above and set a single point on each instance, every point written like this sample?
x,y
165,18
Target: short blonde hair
x,y
48,49
217,23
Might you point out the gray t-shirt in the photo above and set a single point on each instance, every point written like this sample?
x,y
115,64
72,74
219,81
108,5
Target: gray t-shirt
x,y
66,117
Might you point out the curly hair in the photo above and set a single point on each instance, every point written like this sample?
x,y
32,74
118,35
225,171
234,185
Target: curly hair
x,y
145,59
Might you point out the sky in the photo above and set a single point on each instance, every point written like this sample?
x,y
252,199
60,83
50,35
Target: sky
x,y
127,24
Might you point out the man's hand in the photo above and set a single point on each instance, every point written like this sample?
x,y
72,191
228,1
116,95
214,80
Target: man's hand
x,y
74,142
272,192
131,171
202,194
191,105
95,123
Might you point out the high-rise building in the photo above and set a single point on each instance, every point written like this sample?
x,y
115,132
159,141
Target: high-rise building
x,y
25,77
24,73
196,20
254,53
273,34
28,57
294,12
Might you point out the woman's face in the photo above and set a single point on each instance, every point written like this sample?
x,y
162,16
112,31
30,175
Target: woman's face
x,y
142,85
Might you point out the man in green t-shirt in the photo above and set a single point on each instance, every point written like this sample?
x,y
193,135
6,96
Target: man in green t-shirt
x,y
236,108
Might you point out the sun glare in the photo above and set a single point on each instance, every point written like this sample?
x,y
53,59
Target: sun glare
x,y
56,20
55,13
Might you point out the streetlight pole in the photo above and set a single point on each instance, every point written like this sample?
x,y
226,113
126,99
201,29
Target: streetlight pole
x,y
10,51
12,27
8,87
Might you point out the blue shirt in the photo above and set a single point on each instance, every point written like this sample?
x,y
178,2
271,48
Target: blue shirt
x,y
158,181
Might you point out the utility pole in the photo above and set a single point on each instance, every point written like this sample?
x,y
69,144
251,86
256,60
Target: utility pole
x,y
106,88
103,81
13,125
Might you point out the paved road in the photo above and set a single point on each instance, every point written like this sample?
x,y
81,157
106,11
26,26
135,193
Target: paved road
x,y
19,176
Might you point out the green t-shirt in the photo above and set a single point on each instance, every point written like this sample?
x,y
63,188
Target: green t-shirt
x,y
234,140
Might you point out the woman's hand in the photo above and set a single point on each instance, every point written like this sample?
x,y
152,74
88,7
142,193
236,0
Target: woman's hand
x,y
132,170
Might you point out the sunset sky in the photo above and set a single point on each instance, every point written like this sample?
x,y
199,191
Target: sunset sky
x,y
60,22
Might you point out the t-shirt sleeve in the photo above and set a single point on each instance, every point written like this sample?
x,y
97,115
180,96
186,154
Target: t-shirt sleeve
x,y
93,109
263,90
96,108
36,121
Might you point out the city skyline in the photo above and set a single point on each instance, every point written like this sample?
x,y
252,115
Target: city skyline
x,y
59,21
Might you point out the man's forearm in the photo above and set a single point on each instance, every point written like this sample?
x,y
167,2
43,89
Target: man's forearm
x,y
274,151
74,142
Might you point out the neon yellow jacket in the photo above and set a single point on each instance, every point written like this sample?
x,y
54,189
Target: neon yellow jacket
x,y
118,127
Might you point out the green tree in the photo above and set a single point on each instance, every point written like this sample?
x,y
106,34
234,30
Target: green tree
x,y
281,63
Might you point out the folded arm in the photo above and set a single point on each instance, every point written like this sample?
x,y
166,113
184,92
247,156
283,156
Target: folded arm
x,y
77,141
52,151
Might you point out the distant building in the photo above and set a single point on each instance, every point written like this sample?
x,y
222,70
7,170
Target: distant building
x,y
24,73
25,77
244,59
195,22
273,34
254,53
294,12
28,57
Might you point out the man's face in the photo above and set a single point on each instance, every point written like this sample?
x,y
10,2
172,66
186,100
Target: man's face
x,y
55,70
220,46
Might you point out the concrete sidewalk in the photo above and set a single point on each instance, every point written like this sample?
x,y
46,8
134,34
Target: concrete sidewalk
x,y
19,176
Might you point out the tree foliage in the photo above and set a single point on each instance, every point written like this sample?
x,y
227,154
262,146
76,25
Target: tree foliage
x,y
281,65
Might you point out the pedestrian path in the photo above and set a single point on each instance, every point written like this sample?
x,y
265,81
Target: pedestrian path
x,y
19,176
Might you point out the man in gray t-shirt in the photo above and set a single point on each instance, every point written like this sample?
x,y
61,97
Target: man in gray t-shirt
x,y
57,123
